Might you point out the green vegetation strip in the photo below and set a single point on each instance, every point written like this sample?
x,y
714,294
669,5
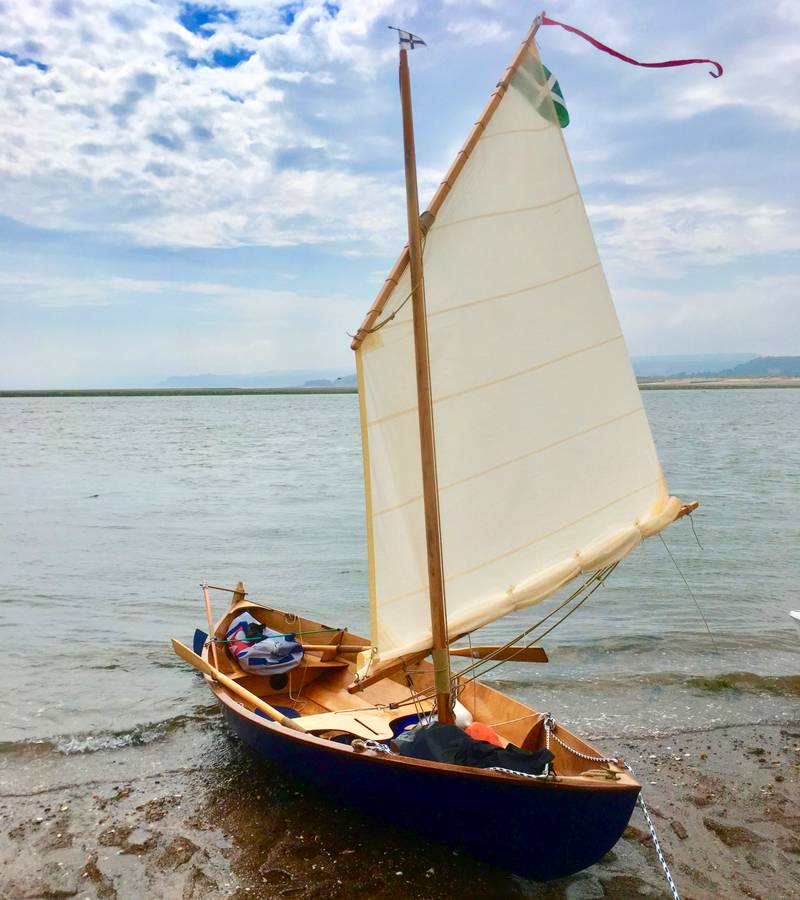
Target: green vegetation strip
x,y
179,392
667,384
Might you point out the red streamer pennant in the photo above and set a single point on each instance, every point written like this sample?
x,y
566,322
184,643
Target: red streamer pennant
x,y
654,65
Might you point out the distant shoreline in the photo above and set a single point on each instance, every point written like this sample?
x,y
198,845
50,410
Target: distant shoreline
x,y
722,383
665,384
177,392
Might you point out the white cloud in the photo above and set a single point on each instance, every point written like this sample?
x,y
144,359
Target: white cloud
x,y
475,31
121,135
670,231
761,315
299,145
212,327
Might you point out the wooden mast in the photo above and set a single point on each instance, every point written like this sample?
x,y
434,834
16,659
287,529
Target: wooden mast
x,y
430,491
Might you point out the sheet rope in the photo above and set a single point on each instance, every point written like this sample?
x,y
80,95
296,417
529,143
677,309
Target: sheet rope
x,y
481,667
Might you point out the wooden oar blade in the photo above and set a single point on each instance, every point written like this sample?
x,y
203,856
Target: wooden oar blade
x,y
192,658
363,725
510,654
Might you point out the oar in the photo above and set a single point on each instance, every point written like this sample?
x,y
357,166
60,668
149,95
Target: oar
x,y
362,724
207,669
515,654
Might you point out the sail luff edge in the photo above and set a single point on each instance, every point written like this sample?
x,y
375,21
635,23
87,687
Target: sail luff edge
x,y
362,411
446,185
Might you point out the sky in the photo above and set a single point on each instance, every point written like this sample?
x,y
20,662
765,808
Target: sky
x,y
191,187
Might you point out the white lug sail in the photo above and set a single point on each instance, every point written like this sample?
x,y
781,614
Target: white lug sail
x,y
546,464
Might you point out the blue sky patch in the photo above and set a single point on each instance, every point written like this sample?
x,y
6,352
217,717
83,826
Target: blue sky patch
x,y
200,19
167,141
289,12
24,60
220,59
254,217
229,59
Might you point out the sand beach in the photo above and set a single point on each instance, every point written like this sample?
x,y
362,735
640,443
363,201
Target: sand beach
x,y
196,816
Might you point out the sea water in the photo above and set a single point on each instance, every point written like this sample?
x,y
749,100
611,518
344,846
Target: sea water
x,y
115,509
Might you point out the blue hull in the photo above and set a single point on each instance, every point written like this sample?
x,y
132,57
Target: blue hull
x,y
535,829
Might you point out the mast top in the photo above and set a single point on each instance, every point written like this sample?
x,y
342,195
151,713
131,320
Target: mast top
x,y
406,40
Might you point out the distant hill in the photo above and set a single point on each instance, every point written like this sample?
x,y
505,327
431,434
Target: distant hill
x,y
344,381
765,365
277,378
690,364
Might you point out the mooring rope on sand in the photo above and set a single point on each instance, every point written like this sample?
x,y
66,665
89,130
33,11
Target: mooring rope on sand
x,y
661,858
550,731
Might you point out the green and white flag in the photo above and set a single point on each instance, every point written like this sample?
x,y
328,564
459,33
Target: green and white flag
x,y
558,98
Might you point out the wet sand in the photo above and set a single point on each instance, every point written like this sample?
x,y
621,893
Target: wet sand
x,y
195,815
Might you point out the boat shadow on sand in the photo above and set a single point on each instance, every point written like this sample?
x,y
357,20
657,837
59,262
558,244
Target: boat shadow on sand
x,y
290,840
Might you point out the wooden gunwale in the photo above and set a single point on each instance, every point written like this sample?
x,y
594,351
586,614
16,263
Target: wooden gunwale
x,y
571,782
445,186
579,782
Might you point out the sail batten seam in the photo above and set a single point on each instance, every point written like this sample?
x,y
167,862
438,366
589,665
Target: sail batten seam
x,y
510,462
536,368
560,442
493,134
488,562
507,294
507,212
556,531
397,322
477,387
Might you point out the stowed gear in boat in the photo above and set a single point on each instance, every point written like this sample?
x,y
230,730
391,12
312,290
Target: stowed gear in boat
x,y
259,650
449,744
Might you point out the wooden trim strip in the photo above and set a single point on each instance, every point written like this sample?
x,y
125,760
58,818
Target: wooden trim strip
x,y
446,185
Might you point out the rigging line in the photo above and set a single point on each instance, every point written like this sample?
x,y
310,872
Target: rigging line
x,y
534,715
605,573
407,298
474,693
691,522
535,625
691,594
426,693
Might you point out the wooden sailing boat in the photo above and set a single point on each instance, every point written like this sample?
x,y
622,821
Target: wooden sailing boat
x,y
506,453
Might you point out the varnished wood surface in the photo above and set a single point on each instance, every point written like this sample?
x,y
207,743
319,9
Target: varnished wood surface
x,y
512,720
430,488
517,654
